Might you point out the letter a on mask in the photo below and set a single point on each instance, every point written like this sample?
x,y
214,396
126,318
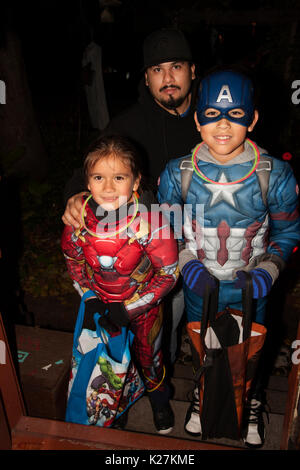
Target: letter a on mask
x,y
225,94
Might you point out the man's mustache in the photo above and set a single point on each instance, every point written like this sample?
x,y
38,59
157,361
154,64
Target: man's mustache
x,y
169,86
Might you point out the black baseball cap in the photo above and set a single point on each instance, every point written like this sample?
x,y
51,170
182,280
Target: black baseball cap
x,y
165,45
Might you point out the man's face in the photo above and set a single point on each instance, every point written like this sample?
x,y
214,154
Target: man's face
x,y
170,83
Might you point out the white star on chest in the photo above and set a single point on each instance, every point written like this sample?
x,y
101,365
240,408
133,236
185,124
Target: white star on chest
x,y
222,193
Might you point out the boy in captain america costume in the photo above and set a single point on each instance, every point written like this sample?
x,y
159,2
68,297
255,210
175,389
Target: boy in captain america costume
x,y
250,219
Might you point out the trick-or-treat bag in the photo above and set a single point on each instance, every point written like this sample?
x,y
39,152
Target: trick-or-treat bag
x,y
104,381
228,344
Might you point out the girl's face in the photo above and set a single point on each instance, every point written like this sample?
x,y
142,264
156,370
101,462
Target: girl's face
x,y
111,182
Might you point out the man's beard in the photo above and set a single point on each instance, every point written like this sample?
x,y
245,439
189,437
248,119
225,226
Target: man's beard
x,y
171,102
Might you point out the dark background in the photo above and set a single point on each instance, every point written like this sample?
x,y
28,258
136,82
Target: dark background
x,y
45,124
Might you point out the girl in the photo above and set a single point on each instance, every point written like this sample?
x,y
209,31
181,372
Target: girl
x,y
126,254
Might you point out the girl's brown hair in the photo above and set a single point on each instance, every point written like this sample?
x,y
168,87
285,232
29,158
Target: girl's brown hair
x,y
116,145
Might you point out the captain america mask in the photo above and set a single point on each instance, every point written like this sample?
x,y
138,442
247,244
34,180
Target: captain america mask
x,y
222,93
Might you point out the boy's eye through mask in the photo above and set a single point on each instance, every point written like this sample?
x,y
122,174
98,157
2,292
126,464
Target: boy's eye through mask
x,y
234,115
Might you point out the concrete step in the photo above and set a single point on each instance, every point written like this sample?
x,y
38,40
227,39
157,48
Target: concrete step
x,y
183,371
140,419
140,416
276,401
276,382
183,390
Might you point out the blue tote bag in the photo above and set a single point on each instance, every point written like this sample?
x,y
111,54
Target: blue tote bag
x,y
104,381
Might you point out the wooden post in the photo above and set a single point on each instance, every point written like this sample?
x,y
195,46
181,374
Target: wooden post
x,y
291,413
9,385
11,401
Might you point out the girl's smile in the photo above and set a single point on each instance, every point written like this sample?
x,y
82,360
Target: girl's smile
x,y
111,182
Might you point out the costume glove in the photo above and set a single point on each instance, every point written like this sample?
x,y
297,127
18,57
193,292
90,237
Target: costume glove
x,y
118,314
261,281
196,277
93,306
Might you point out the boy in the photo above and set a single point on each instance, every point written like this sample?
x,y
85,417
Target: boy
x,y
250,220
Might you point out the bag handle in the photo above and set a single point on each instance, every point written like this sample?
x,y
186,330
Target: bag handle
x,y
247,297
101,333
80,316
210,306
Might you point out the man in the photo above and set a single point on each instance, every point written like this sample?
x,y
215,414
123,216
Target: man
x,y
161,123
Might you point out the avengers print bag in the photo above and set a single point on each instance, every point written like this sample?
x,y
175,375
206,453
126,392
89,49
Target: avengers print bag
x,y
104,381
228,344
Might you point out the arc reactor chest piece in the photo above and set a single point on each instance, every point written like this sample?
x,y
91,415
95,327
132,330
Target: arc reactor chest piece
x,y
107,262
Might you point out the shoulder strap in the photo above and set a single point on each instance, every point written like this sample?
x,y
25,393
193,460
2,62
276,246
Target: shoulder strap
x,y
186,173
263,172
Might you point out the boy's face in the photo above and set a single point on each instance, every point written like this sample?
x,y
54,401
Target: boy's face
x,y
225,138
169,84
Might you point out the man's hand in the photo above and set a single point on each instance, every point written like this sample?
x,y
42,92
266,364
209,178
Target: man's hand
x,y
72,214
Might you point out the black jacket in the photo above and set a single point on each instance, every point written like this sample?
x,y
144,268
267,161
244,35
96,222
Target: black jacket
x,y
159,134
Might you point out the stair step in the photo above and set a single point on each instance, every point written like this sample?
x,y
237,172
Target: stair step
x,y
143,408
183,371
276,382
183,389
276,401
145,425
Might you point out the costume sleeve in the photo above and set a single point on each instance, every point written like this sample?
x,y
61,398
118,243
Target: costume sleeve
x,y
284,214
161,250
284,233
73,253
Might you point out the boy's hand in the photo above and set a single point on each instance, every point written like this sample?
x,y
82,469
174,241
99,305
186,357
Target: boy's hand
x,y
72,214
196,277
261,281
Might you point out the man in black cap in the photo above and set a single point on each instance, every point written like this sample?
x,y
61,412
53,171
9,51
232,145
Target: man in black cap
x,y
169,70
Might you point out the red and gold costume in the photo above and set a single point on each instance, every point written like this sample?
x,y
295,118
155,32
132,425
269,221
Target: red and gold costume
x,y
132,261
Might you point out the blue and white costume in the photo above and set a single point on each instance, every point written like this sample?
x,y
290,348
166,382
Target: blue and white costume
x,y
235,230
243,225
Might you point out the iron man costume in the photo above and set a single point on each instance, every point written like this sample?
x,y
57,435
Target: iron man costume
x,y
137,266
